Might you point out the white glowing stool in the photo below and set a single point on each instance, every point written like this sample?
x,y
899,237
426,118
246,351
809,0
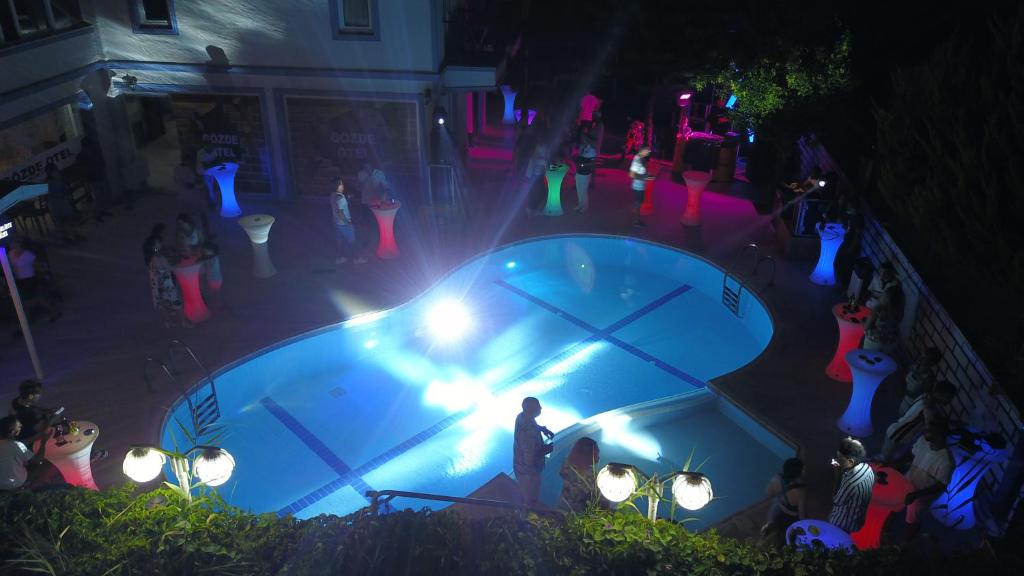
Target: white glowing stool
x,y
869,368
74,456
257,227
831,239
816,534
224,174
696,181
510,104
555,174
387,248
191,295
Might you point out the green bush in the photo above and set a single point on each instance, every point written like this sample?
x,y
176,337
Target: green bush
x,y
116,532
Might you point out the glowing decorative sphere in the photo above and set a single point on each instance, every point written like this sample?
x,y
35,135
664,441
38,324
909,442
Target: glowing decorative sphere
x,y
214,466
692,490
143,464
449,321
616,482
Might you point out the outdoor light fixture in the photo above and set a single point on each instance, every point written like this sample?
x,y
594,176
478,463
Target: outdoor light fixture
x,y
121,84
449,320
731,102
440,115
84,101
684,99
821,183
617,481
510,264
143,464
692,490
214,466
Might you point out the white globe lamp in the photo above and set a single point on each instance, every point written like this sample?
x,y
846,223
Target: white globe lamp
x,y
143,464
617,482
692,490
214,466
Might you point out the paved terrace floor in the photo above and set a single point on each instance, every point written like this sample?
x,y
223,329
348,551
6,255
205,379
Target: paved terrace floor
x,y
94,355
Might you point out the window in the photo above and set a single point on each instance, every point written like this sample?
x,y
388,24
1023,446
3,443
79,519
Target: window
x,y
25,19
355,19
153,16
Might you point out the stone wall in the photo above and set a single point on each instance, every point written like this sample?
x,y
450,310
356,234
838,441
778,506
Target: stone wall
x,y
926,323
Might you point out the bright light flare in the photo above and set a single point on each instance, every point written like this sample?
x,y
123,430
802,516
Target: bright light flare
x,y
449,321
143,464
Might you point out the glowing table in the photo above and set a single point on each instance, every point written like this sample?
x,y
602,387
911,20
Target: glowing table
x,y
257,227
887,496
869,368
510,103
955,506
851,330
385,215
224,174
530,115
695,183
831,238
818,534
191,295
555,175
73,457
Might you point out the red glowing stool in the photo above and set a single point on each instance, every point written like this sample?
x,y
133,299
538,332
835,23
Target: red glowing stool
x,y
695,183
385,215
72,454
887,496
647,207
188,279
851,329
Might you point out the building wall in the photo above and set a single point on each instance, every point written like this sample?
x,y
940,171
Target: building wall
x,y
287,33
926,323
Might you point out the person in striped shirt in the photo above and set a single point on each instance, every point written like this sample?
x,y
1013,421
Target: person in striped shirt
x,y
931,406
851,499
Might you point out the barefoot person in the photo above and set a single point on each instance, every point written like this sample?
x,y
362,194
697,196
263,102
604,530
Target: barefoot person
x,y
529,450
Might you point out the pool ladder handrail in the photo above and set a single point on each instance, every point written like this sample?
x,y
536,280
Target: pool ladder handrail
x,y
730,297
205,411
384,497
758,260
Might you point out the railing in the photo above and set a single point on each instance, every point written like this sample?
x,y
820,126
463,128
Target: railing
x,y
205,411
731,297
145,372
377,498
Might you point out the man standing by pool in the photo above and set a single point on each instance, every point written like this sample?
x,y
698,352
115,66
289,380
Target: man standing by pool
x,y
529,450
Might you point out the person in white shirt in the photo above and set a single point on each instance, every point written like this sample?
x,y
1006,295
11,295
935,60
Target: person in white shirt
x,y
207,158
930,473
881,281
345,231
638,181
17,462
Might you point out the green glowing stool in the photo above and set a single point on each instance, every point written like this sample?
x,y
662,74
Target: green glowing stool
x,y
555,175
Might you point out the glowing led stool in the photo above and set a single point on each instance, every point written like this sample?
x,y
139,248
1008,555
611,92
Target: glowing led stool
x,y
555,175
851,330
510,104
530,115
647,206
188,279
869,368
695,183
385,215
813,534
74,456
257,227
831,238
955,506
224,174
887,496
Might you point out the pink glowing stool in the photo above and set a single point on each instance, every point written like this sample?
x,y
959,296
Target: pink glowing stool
x,y
188,279
887,496
73,456
257,228
554,176
647,207
510,104
851,330
385,215
695,183
869,367
224,174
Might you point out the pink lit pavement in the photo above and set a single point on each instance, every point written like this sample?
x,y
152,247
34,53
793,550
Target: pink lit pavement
x,y
94,356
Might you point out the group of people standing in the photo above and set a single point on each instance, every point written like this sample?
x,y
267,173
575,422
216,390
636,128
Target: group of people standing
x,y
191,247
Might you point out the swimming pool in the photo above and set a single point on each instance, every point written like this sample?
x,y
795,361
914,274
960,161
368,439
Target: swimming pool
x,y
596,327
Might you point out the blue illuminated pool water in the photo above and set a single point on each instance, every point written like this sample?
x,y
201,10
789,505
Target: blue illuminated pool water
x,y
597,327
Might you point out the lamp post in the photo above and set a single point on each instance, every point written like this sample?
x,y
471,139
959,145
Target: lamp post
x,y
620,482
212,465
